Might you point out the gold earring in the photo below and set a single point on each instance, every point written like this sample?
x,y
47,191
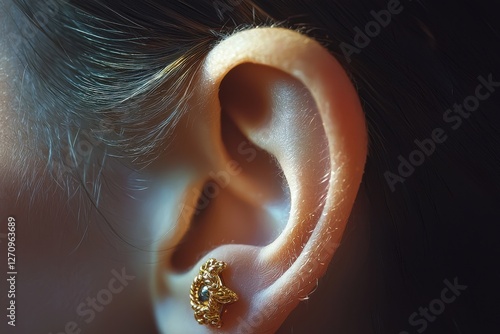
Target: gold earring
x,y
209,295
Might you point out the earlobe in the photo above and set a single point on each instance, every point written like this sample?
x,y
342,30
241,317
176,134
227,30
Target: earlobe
x,y
284,97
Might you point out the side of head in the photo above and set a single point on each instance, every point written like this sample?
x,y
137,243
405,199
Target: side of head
x,y
284,138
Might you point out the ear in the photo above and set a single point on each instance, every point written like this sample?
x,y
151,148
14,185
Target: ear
x,y
275,141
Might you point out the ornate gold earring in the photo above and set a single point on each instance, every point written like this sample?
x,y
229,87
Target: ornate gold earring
x,y
209,295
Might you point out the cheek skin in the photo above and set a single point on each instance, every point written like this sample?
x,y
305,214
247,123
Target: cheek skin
x,y
59,268
62,264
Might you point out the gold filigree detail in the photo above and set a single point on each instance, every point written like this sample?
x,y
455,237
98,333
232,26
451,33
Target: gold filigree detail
x,y
209,295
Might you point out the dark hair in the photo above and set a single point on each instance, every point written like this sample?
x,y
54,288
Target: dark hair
x,y
432,214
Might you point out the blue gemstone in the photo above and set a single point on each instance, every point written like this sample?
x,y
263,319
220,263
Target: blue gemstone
x,y
204,294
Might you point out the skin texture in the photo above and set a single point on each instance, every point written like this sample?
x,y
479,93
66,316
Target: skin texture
x,y
274,91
